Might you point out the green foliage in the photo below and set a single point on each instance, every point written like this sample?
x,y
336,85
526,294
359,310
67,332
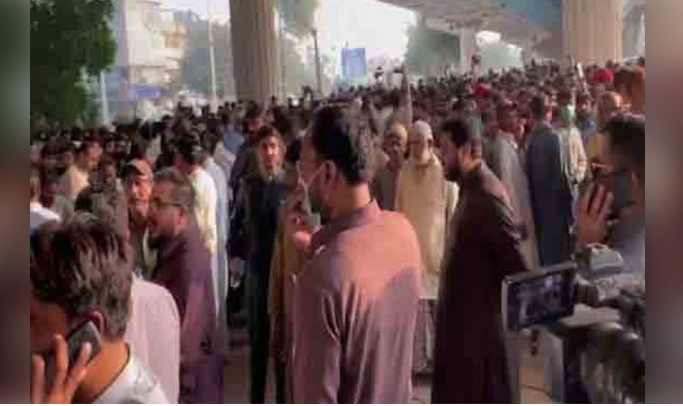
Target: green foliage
x,y
14,76
430,50
196,67
69,39
298,15
298,73
196,74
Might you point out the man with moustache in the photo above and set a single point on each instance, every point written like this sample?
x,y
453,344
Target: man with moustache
x,y
184,268
138,181
471,360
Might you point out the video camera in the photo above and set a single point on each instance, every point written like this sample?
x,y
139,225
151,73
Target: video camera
x,y
594,315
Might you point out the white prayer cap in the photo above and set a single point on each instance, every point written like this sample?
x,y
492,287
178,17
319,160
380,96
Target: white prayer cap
x,y
423,129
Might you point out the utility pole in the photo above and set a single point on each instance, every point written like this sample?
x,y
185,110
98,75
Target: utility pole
x,y
104,99
318,72
212,57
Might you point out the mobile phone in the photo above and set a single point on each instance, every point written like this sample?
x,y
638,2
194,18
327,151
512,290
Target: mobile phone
x,y
85,333
620,185
531,299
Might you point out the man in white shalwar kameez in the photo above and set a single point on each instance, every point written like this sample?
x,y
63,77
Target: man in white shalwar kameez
x,y
220,267
428,200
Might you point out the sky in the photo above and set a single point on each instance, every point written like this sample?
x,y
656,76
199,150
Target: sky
x,y
377,26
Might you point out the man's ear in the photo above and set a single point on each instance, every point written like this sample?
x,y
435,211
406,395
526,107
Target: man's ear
x,y
98,320
330,172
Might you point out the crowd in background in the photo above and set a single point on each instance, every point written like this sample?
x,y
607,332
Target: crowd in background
x,y
367,233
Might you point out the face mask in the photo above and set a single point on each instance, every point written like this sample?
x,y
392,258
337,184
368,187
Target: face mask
x,y
314,217
568,114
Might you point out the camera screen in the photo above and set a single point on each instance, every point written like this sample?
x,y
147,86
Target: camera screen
x,y
532,299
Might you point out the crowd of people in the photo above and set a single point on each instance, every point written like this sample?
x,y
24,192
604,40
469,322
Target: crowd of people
x,y
368,234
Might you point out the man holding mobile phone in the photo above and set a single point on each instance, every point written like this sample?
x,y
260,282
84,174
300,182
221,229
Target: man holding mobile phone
x,y
612,211
79,308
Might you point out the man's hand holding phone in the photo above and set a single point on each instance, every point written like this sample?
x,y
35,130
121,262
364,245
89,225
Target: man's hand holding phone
x,y
594,211
66,379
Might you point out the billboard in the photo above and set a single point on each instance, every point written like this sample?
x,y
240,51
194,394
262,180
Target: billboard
x,y
354,63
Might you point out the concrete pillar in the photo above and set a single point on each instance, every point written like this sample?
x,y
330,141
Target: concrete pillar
x,y
468,47
593,30
254,45
634,33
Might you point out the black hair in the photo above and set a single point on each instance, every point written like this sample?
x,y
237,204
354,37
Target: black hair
x,y
183,193
83,266
462,132
539,106
209,142
189,146
86,146
138,148
266,132
335,140
49,177
293,153
626,135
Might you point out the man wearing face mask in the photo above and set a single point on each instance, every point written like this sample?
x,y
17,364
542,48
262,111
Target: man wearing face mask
x,y
574,155
356,300
471,360
428,201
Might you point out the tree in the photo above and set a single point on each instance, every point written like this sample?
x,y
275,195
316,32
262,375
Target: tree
x,y
298,15
430,50
70,39
196,66
195,73
298,73
14,73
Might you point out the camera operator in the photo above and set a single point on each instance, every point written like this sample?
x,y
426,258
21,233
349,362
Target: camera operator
x,y
612,211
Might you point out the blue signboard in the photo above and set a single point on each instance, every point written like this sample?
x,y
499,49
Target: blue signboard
x,y
354,63
147,92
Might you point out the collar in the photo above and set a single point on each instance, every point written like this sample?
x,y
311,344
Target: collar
x,y
277,177
171,246
133,378
542,126
506,136
35,206
356,218
473,177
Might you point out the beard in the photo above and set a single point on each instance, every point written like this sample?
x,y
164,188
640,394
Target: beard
x,y
422,159
453,172
318,205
